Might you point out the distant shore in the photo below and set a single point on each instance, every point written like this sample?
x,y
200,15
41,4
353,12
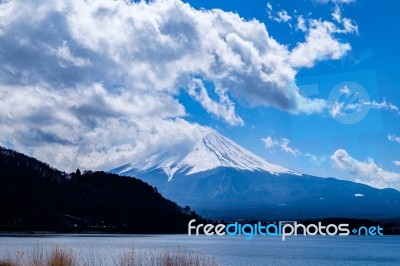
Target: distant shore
x,y
390,227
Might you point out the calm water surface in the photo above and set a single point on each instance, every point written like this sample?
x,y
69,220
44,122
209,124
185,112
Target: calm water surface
x,y
317,250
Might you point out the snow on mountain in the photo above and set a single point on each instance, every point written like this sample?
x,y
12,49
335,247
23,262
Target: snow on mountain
x,y
212,150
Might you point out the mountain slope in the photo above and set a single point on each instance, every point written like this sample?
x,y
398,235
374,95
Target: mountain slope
x,y
220,179
35,196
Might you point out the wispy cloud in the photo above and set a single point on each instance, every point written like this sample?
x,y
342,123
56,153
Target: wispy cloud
x,y
394,138
64,53
348,25
351,102
224,108
316,160
282,143
384,105
279,16
367,172
319,43
301,24
335,1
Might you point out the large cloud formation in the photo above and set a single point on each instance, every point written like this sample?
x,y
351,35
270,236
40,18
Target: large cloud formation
x,y
94,83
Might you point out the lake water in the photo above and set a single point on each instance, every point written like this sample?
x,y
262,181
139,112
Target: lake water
x,y
317,250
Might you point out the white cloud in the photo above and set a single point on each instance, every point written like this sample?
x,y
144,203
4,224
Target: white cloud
x,y
225,108
367,172
269,6
317,160
269,143
349,26
340,108
384,105
393,138
345,90
301,24
280,16
63,52
285,147
283,16
337,14
336,109
100,79
282,143
319,45
337,2
396,163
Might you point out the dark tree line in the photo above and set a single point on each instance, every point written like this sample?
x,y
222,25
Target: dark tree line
x,y
35,196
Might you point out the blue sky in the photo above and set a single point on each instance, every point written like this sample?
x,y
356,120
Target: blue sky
x,y
310,84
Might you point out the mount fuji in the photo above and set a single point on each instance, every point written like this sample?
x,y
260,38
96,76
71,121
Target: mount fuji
x,y
222,180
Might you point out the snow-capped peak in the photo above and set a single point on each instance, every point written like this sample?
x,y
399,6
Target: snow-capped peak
x,y
215,150
212,150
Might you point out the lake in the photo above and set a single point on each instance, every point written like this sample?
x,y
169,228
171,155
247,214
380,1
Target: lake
x,y
300,250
